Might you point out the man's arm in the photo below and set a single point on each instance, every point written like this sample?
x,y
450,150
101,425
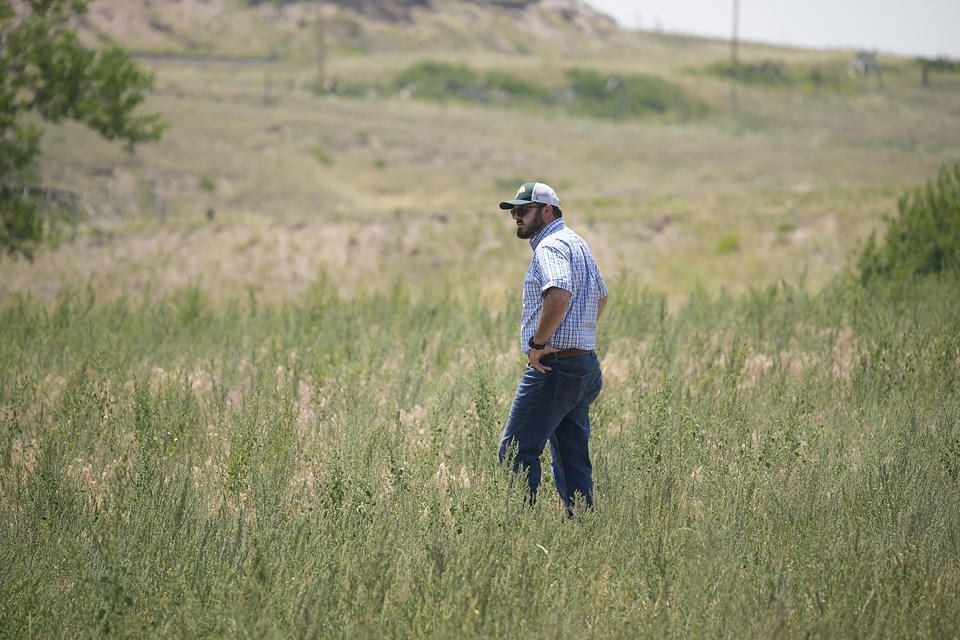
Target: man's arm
x,y
600,305
555,302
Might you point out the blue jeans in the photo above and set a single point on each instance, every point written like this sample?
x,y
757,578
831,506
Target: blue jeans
x,y
552,407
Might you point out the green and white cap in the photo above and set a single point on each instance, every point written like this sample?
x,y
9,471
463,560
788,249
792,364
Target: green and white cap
x,y
530,192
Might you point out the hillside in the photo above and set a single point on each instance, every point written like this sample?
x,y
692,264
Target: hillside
x,y
383,164
254,28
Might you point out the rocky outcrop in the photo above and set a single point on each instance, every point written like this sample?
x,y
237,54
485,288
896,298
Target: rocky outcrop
x,y
392,10
400,10
269,28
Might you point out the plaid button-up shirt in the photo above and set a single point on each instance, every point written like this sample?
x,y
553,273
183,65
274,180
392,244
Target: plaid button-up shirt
x,y
562,259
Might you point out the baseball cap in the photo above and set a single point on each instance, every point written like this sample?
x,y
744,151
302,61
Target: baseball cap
x,y
530,192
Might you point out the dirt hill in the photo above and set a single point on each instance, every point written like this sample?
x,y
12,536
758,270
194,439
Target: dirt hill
x,y
262,28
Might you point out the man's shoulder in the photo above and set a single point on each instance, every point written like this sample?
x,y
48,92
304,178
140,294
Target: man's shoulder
x,y
557,241
564,236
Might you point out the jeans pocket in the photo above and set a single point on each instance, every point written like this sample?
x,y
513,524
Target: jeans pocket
x,y
532,381
569,389
593,390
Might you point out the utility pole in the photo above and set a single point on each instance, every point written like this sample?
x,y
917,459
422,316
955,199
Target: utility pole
x,y
736,29
321,41
734,62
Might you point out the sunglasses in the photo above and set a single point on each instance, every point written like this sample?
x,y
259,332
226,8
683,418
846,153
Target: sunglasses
x,y
519,212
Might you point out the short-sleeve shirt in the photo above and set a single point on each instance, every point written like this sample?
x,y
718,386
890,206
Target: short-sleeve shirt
x,y
564,260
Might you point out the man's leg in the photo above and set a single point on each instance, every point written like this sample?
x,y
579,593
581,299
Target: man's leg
x,y
556,469
532,420
571,457
569,445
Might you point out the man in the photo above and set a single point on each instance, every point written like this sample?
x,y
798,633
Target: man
x,y
563,297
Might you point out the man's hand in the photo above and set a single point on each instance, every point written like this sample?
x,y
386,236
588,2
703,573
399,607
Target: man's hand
x,y
555,301
536,354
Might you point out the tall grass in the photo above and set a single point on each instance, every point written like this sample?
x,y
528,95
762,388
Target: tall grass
x,y
782,464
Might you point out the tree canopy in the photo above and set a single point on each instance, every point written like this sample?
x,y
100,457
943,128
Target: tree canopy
x,y
44,69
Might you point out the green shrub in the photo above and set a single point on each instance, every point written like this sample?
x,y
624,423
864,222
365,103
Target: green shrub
x,y
437,80
440,80
924,238
590,93
629,96
513,88
768,72
20,226
773,73
322,155
728,244
344,88
817,77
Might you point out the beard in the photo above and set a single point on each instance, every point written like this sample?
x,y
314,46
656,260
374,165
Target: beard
x,y
527,231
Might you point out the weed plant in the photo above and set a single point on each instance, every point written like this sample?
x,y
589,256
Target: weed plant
x,y
783,464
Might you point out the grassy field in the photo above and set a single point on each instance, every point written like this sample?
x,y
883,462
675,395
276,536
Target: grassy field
x,y
779,464
257,389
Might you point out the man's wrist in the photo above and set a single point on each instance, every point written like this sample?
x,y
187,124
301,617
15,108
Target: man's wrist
x,y
533,344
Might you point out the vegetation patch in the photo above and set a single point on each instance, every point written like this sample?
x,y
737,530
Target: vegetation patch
x,y
508,88
628,96
327,468
438,81
925,236
728,244
590,93
776,73
940,65
322,155
767,72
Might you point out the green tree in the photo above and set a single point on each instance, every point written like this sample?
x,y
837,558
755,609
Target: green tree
x,y
45,70
924,238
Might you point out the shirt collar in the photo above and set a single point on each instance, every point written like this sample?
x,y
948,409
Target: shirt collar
x,y
550,229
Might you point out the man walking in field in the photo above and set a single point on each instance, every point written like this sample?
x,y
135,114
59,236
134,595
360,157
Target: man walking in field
x,y
563,297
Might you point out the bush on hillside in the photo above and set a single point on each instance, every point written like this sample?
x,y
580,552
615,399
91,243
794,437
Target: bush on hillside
x,y
628,96
768,72
773,73
505,86
587,93
924,238
440,80
437,80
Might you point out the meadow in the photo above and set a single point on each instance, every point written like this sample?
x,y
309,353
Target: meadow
x,y
257,386
784,463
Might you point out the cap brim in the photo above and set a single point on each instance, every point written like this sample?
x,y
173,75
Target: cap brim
x,y
510,204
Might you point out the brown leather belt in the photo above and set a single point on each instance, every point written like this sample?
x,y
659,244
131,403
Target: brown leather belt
x,y
566,353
